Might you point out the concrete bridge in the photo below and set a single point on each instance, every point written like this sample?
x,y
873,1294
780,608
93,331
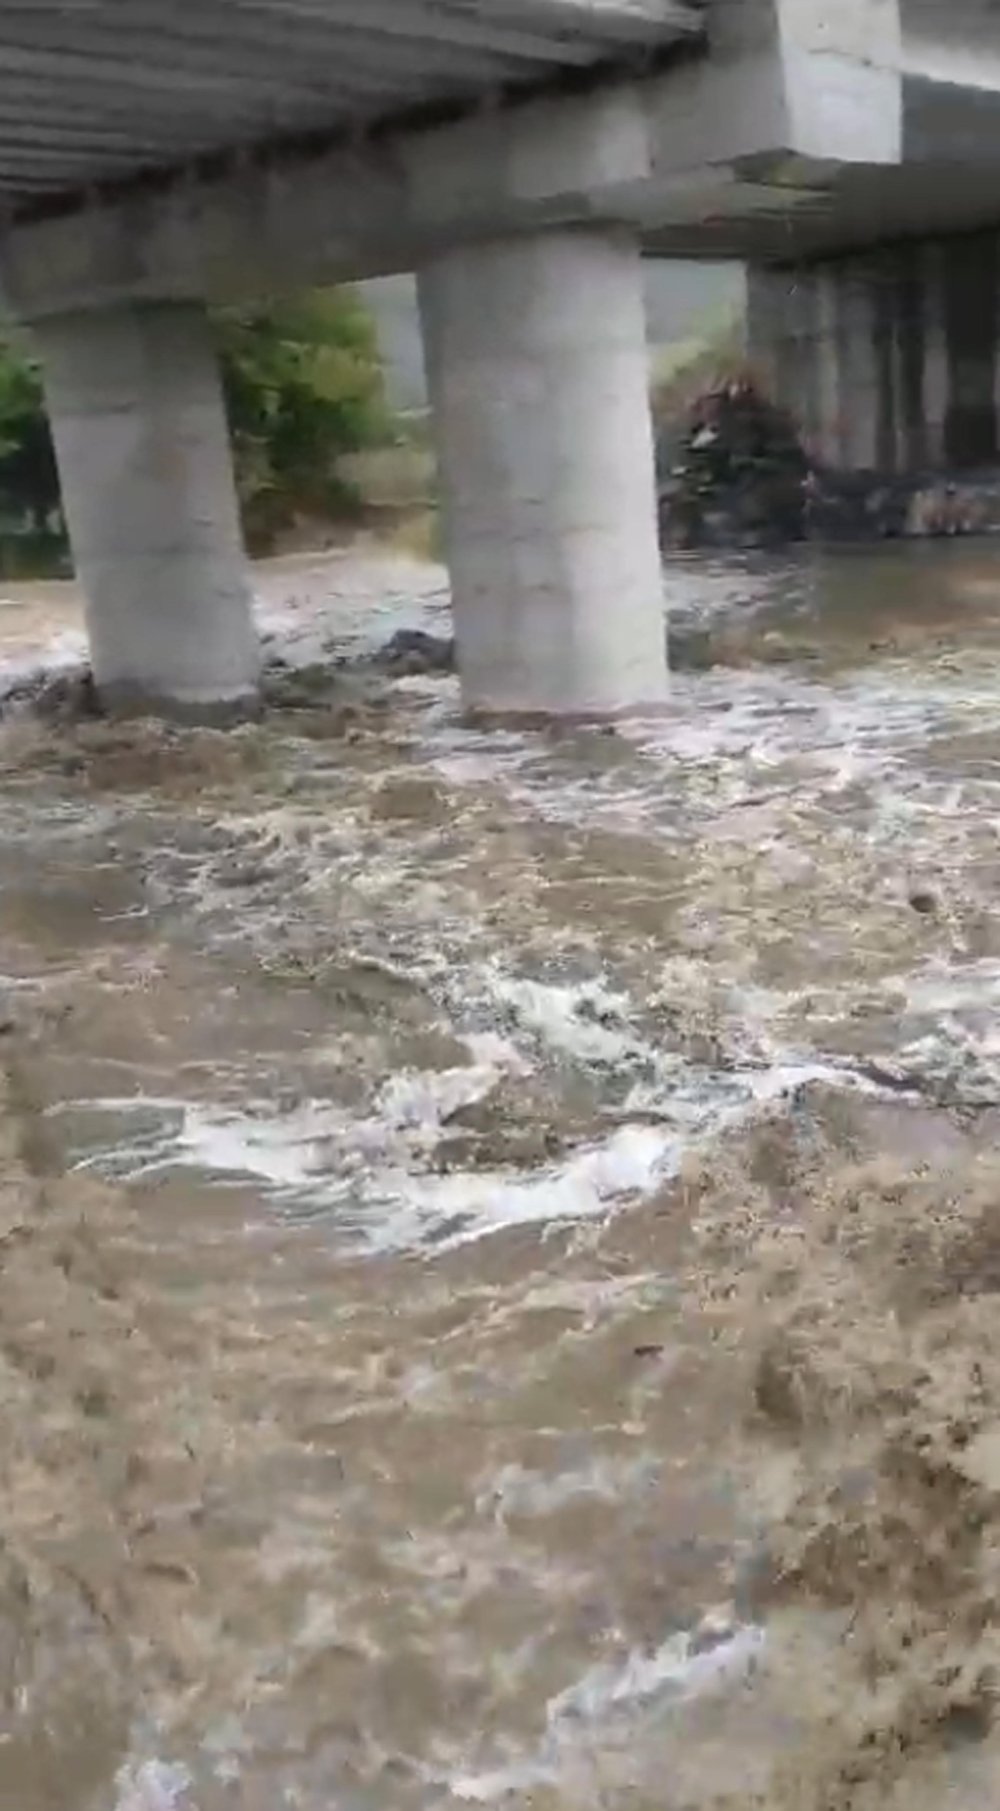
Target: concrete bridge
x,y
519,155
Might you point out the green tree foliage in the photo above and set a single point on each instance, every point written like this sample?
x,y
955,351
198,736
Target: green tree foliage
x,y
29,483
303,386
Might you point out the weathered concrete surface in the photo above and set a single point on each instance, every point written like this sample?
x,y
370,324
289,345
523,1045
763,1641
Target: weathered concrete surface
x,y
685,302
888,362
767,124
104,90
538,371
147,484
753,129
383,205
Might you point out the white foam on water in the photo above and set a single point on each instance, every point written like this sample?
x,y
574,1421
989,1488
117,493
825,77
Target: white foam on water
x,y
949,1029
278,1150
347,606
679,1670
287,1149
282,1152
422,1101
680,1665
938,989
456,1210
584,1021
730,740
593,1025
315,1160
372,1171
66,652
154,1786
370,1174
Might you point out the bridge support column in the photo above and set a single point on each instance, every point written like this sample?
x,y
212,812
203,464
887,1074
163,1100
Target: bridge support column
x,y
536,353
889,360
148,493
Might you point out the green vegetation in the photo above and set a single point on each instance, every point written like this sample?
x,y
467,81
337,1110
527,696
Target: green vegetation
x,y
303,386
30,522
685,371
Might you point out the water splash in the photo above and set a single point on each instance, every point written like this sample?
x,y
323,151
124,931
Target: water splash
x,y
154,1786
685,1666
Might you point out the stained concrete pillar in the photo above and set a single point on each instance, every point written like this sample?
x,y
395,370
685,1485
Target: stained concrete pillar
x,y
899,372
144,460
971,279
539,379
937,381
814,341
855,353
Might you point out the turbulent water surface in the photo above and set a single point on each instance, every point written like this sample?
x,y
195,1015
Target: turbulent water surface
x,y
500,1236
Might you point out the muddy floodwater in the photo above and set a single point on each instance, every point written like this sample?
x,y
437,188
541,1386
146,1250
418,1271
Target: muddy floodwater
x,y
500,1230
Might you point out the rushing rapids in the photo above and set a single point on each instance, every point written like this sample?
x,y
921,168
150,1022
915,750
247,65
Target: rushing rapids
x,y
500,1228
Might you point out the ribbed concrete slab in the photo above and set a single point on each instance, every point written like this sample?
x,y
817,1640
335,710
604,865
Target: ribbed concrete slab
x,y
92,90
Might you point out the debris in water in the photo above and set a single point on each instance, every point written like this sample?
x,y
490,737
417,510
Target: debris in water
x,y
414,651
924,903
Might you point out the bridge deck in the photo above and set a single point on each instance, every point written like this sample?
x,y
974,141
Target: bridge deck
x,y
94,90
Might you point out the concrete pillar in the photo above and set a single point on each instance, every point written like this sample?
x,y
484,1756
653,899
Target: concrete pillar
x,y
934,258
828,432
770,332
972,328
852,346
785,308
858,369
539,380
915,346
148,493
912,350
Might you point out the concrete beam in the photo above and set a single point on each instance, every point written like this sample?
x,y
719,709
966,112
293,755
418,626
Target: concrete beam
x,y
843,72
643,151
951,59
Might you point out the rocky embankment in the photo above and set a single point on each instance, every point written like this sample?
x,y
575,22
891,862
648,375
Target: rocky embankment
x,y
737,475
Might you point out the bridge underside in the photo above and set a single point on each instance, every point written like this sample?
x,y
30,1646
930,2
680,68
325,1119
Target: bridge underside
x,y
273,143
772,209
96,91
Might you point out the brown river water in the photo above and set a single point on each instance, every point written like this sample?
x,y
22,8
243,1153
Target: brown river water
x,y
500,1230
